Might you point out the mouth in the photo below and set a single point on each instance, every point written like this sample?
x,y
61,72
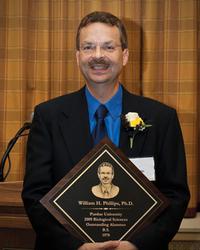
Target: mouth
x,y
99,66
105,179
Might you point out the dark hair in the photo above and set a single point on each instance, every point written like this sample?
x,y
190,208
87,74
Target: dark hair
x,y
103,17
105,164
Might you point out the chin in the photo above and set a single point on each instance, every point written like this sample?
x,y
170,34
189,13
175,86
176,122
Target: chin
x,y
99,81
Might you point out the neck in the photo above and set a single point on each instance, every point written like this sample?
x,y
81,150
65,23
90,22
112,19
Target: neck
x,y
106,185
103,92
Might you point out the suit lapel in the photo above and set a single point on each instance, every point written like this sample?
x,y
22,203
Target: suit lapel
x,y
74,126
130,104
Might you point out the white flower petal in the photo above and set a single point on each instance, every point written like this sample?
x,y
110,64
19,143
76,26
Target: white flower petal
x,y
131,116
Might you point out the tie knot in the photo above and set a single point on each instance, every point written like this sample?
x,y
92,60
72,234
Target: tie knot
x,y
101,112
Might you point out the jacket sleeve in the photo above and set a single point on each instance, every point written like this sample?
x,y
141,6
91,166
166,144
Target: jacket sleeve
x,y
37,182
171,180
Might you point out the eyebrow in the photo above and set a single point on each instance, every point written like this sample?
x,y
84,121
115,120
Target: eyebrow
x,y
107,42
86,42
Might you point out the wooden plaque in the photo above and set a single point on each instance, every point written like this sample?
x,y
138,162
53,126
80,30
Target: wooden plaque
x,y
87,205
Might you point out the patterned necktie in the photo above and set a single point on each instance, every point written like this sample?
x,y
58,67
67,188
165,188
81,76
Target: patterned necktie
x,y
100,131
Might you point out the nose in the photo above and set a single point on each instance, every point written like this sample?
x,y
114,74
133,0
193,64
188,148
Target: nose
x,y
98,52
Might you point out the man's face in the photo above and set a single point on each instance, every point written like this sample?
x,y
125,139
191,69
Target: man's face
x,y
100,57
105,175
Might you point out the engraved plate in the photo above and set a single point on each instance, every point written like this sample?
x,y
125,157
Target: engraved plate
x,y
106,203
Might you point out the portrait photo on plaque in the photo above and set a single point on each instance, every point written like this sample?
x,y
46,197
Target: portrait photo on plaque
x,y
105,189
104,197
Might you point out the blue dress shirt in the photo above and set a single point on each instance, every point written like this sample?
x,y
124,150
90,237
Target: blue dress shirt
x,y
113,118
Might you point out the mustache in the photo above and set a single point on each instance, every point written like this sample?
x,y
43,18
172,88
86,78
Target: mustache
x,y
99,61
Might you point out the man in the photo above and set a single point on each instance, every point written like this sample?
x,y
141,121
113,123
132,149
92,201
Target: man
x,y
106,189
58,140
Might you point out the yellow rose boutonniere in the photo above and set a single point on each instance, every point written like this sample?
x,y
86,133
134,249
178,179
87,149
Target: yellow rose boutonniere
x,y
133,123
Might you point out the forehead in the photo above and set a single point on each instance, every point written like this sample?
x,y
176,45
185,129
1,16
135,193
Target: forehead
x,y
105,169
99,32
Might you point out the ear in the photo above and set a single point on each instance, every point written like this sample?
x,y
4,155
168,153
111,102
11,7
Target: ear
x,y
77,56
125,56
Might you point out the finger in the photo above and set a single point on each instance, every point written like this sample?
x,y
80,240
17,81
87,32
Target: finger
x,y
112,244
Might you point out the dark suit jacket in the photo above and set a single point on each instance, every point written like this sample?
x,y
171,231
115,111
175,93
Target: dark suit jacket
x,y
60,138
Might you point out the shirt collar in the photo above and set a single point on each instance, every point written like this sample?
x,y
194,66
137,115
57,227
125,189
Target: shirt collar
x,y
106,190
92,102
114,105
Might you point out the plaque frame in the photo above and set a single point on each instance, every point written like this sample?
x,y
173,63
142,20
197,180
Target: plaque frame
x,y
61,199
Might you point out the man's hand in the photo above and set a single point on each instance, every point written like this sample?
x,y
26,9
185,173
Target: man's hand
x,y
109,245
126,245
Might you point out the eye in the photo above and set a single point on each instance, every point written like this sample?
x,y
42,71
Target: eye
x,y
109,47
87,47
